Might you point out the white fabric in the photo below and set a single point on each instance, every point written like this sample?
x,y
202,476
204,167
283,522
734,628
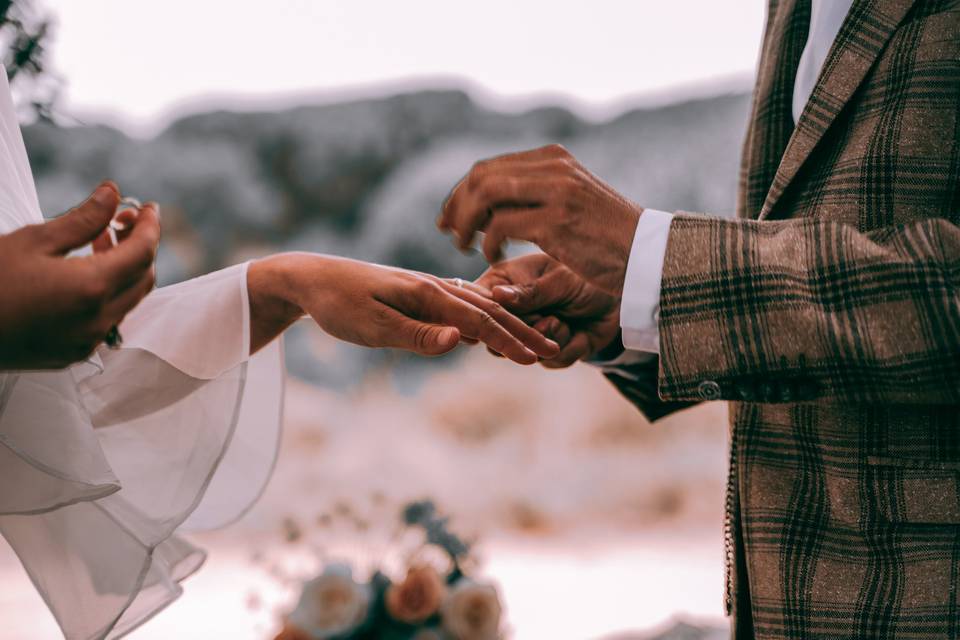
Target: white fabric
x,y
103,462
640,307
826,18
639,313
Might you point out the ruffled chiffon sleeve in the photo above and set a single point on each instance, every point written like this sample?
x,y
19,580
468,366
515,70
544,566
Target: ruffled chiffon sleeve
x,y
103,463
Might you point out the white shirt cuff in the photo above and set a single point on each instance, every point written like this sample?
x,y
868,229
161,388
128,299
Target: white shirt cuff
x,y
625,359
640,307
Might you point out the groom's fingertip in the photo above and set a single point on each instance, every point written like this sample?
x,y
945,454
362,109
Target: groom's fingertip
x,y
507,293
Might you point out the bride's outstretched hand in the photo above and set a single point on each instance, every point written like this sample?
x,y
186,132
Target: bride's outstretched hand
x,y
377,306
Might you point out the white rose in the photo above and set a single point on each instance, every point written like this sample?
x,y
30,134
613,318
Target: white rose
x,y
331,604
472,612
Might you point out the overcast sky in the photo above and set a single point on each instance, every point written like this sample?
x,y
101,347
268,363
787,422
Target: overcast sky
x,y
137,62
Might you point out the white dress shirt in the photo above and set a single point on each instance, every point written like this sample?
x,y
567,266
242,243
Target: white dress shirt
x,y
640,308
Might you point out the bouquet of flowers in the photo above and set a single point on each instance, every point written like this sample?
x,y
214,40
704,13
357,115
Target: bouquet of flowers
x,y
429,603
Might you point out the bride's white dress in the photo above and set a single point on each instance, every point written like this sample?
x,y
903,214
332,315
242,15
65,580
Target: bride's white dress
x,y
102,463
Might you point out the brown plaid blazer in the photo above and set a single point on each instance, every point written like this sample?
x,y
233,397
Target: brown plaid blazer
x,y
829,316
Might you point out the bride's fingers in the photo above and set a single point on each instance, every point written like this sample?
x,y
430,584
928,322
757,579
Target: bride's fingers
x,y
530,337
551,327
474,287
402,332
475,322
494,353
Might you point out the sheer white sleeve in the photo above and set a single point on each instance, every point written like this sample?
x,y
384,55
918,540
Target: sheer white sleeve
x,y
101,464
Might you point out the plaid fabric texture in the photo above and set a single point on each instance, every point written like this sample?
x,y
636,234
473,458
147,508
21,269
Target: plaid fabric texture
x,y
829,315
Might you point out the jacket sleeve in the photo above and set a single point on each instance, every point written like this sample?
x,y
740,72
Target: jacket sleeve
x,y
798,310
638,384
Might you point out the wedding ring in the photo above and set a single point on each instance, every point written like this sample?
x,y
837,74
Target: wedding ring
x,y
458,282
113,338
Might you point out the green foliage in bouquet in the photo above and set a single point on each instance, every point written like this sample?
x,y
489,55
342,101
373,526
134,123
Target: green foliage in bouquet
x,y
428,604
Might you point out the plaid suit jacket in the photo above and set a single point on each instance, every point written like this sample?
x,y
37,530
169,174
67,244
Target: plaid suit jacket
x,y
829,316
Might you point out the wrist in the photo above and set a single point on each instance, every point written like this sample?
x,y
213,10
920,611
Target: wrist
x,y
624,244
272,286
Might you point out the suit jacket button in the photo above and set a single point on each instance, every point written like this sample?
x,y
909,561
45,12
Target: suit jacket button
x,y
709,390
787,392
767,392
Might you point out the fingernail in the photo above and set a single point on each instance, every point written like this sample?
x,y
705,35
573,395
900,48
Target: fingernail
x,y
105,194
510,293
449,335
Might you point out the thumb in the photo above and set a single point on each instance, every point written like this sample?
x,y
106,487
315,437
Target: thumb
x,y
549,290
85,222
427,339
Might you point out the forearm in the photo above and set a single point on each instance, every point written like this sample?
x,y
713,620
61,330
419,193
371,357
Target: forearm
x,y
805,309
271,289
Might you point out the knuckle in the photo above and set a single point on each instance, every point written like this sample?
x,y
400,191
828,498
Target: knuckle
x,y
567,185
476,175
93,292
419,290
481,165
423,288
421,336
381,316
487,321
480,184
558,150
39,233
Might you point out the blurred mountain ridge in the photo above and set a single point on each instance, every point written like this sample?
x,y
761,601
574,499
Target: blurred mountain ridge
x,y
367,177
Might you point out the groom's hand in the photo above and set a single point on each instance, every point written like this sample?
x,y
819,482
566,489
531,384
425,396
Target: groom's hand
x,y
581,318
546,197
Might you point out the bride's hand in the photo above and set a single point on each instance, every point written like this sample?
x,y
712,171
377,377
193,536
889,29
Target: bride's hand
x,y
378,306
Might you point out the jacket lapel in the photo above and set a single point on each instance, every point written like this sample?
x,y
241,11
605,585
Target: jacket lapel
x,y
771,124
862,37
